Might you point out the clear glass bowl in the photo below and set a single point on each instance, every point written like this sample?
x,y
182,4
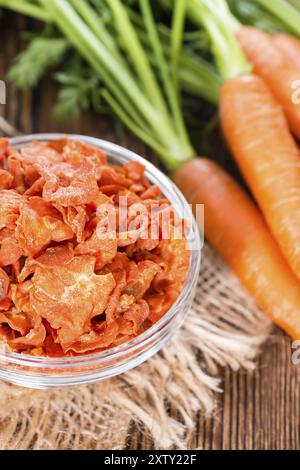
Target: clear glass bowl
x,y
41,372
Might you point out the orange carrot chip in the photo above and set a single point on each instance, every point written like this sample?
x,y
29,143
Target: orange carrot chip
x,y
70,186
70,296
141,278
77,152
4,290
10,202
134,171
3,149
17,321
76,218
39,154
51,258
39,224
20,296
6,179
93,340
34,339
137,314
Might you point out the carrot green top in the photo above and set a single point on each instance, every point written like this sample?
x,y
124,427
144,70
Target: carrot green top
x,y
148,105
221,26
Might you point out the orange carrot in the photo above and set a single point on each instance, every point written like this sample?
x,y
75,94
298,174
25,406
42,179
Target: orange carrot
x,y
278,71
289,45
258,135
236,229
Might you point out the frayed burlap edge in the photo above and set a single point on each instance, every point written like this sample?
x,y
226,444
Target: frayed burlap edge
x,y
224,328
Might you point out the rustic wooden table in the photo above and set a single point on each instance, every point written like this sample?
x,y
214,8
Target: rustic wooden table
x,y
259,410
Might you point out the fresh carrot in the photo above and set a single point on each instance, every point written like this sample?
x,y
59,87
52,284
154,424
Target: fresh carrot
x,y
289,45
257,132
278,71
236,229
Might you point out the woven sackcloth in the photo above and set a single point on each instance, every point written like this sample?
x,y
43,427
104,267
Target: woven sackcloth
x,y
223,328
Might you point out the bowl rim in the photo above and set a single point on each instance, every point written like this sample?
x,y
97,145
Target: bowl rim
x,y
144,338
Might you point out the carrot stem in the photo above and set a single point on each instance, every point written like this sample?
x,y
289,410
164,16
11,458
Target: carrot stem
x,y
197,76
97,26
26,8
285,11
221,25
138,57
172,96
178,21
118,80
133,126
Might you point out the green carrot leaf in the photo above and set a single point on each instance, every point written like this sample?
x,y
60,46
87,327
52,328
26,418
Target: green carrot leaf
x,y
76,94
31,65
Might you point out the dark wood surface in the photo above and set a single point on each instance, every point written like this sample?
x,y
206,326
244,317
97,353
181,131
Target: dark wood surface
x,y
259,410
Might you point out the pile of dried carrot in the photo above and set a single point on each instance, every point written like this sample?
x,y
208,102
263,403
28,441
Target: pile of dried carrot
x,y
91,254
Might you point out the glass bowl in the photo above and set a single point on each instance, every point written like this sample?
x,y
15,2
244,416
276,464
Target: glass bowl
x,y
41,372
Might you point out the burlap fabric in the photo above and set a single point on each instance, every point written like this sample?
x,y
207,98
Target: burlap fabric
x,y
224,328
